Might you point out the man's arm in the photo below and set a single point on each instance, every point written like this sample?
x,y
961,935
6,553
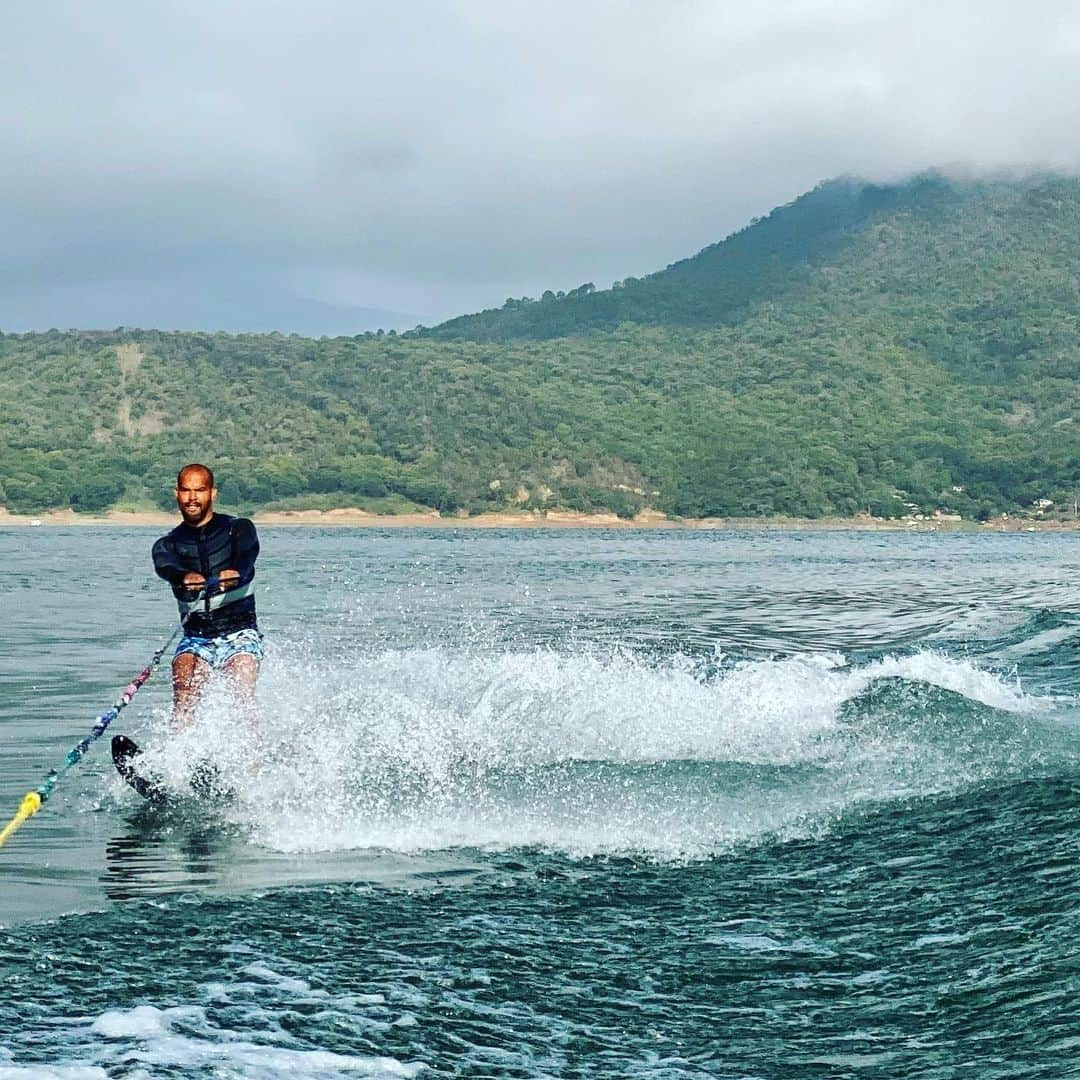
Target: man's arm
x,y
245,548
185,583
166,563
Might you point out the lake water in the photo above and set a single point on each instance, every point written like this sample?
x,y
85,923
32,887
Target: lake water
x,y
589,804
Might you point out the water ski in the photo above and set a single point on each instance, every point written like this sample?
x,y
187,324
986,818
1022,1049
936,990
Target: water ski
x,y
206,780
125,755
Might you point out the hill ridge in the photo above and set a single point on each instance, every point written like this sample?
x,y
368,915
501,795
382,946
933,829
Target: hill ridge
x,y
863,348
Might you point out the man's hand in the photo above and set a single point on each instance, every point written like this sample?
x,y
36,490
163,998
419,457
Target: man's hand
x,y
193,582
228,579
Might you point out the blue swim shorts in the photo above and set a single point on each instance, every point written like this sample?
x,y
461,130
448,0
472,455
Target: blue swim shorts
x,y
217,651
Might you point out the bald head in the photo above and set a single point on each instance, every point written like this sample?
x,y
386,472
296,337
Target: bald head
x,y
195,494
192,471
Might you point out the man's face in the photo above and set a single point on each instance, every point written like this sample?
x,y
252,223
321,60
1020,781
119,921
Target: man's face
x,y
195,497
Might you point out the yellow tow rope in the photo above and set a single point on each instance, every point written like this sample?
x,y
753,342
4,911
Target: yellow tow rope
x,y
34,800
31,804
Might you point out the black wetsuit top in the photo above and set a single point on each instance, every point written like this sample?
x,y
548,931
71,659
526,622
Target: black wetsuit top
x,y
223,543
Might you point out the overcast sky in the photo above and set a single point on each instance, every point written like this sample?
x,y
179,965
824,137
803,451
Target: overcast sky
x,y
328,166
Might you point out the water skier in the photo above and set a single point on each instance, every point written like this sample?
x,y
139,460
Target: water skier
x,y
209,560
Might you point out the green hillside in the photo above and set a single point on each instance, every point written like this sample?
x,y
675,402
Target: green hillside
x,y
863,347
978,256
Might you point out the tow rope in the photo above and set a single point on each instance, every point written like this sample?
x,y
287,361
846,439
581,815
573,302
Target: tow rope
x,y
34,800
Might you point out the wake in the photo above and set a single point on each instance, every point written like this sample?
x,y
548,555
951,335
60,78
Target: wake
x,y
606,752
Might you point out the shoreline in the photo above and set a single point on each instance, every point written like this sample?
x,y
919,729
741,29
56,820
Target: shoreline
x,y
347,517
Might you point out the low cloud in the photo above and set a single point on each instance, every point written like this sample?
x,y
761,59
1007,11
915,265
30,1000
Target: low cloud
x,y
252,164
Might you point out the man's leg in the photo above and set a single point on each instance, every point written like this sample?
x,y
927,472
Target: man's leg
x,y
189,680
241,671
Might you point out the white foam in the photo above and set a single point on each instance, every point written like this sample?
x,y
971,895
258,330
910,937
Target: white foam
x,y
958,676
143,1021
52,1072
181,1038
430,749
283,982
431,710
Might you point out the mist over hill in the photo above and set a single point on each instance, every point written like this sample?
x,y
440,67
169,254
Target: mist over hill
x,y
848,248
862,348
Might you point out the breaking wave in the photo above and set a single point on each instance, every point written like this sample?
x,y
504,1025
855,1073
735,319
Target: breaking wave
x,y
606,752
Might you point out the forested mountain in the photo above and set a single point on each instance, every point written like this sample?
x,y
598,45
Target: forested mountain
x,y
940,250
862,348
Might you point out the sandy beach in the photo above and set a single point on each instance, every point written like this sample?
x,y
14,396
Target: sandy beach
x,y
350,517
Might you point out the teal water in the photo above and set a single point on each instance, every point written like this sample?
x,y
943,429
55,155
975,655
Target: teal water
x,y
660,804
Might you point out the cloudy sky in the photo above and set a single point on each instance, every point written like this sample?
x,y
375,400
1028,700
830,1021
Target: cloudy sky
x,y
330,166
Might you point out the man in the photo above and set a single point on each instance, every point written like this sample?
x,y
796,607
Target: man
x,y
209,560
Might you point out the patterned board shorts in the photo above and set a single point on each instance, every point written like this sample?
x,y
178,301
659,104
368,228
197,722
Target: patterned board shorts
x,y
217,651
